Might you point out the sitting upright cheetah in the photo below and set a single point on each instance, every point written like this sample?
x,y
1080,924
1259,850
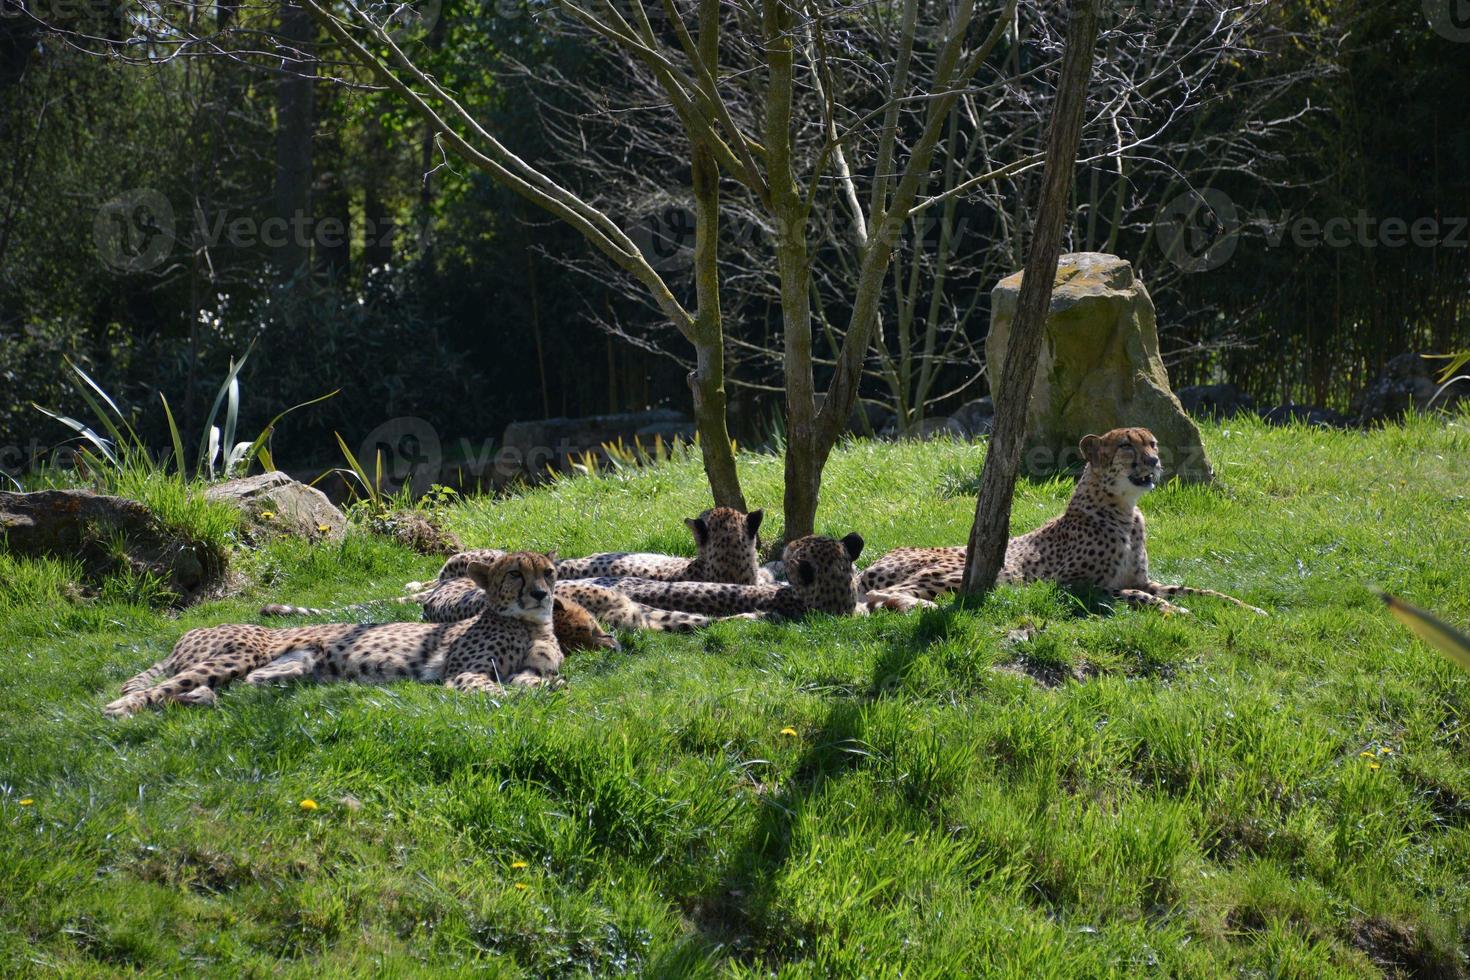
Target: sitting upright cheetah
x,y
822,579
1098,541
726,543
511,642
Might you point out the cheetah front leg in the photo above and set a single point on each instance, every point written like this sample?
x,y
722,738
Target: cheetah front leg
x,y
195,686
1169,591
1138,597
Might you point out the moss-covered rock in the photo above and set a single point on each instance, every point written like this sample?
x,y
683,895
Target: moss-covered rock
x,y
1099,369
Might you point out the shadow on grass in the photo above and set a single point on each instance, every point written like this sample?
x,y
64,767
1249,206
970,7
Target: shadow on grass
x,y
735,916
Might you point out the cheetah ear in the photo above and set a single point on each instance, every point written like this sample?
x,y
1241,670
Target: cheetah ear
x,y
853,545
1092,449
753,523
551,556
481,573
698,528
806,574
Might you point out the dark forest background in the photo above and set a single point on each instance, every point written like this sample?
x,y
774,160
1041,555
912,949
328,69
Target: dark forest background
x,y
132,201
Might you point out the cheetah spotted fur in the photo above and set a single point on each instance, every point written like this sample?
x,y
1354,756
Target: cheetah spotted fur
x,y
510,643
1097,541
726,544
821,574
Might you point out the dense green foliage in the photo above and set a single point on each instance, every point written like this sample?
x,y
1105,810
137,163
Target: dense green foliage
x,y
1036,786
449,298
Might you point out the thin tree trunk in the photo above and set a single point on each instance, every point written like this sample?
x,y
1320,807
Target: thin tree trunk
x,y
707,380
295,122
988,536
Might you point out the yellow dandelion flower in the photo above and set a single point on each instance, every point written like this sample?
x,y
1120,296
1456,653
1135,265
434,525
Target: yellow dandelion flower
x,y
519,864
324,528
521,886
1385,751
789,731
1374,765
308,804
1365,755
27,801
268,515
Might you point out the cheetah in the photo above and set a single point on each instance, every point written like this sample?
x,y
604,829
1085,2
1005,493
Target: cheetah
x,y
822,579
511,642
575,627
454,596
726,541
1098,541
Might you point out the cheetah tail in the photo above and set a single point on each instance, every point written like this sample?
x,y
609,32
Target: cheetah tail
x,y
281,609
146,679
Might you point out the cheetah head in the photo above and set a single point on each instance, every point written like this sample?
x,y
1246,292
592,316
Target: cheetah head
x,y
726,540
578,629
1125,461
517,586
821,572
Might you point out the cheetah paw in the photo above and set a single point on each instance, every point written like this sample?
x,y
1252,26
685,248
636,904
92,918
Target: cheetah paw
x,y
202,697
129,704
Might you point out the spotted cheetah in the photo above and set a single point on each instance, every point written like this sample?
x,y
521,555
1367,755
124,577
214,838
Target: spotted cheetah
x,y
575,627
511,642
1098,541
725,540
822,579
454,596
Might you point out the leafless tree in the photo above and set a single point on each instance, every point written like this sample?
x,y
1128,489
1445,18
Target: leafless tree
x,y
816,136
985,553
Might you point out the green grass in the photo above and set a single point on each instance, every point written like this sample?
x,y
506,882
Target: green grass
x,y
1029,788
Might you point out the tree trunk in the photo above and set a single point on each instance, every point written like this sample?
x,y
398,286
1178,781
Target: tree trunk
x,y
707,380
988,536
295,121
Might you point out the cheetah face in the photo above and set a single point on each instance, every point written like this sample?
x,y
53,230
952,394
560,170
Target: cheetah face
x,y
822,574
577,629
1125,460
726,537
517,586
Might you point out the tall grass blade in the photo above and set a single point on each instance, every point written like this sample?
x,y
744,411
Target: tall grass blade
x,y
1438,634
121,417
173,434
123,443
210,432
258,447
232,415
367,485
85,431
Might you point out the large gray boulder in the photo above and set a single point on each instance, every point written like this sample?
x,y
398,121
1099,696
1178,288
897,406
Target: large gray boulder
x,y
107,535
274,505
1099,368
1223,401
528,448
1408,382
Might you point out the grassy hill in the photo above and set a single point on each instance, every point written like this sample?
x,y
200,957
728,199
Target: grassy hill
x,y
1036,787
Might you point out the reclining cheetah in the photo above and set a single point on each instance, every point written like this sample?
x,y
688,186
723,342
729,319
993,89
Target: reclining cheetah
x,y
1098,541
822,580
454,596
724,538
511,642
